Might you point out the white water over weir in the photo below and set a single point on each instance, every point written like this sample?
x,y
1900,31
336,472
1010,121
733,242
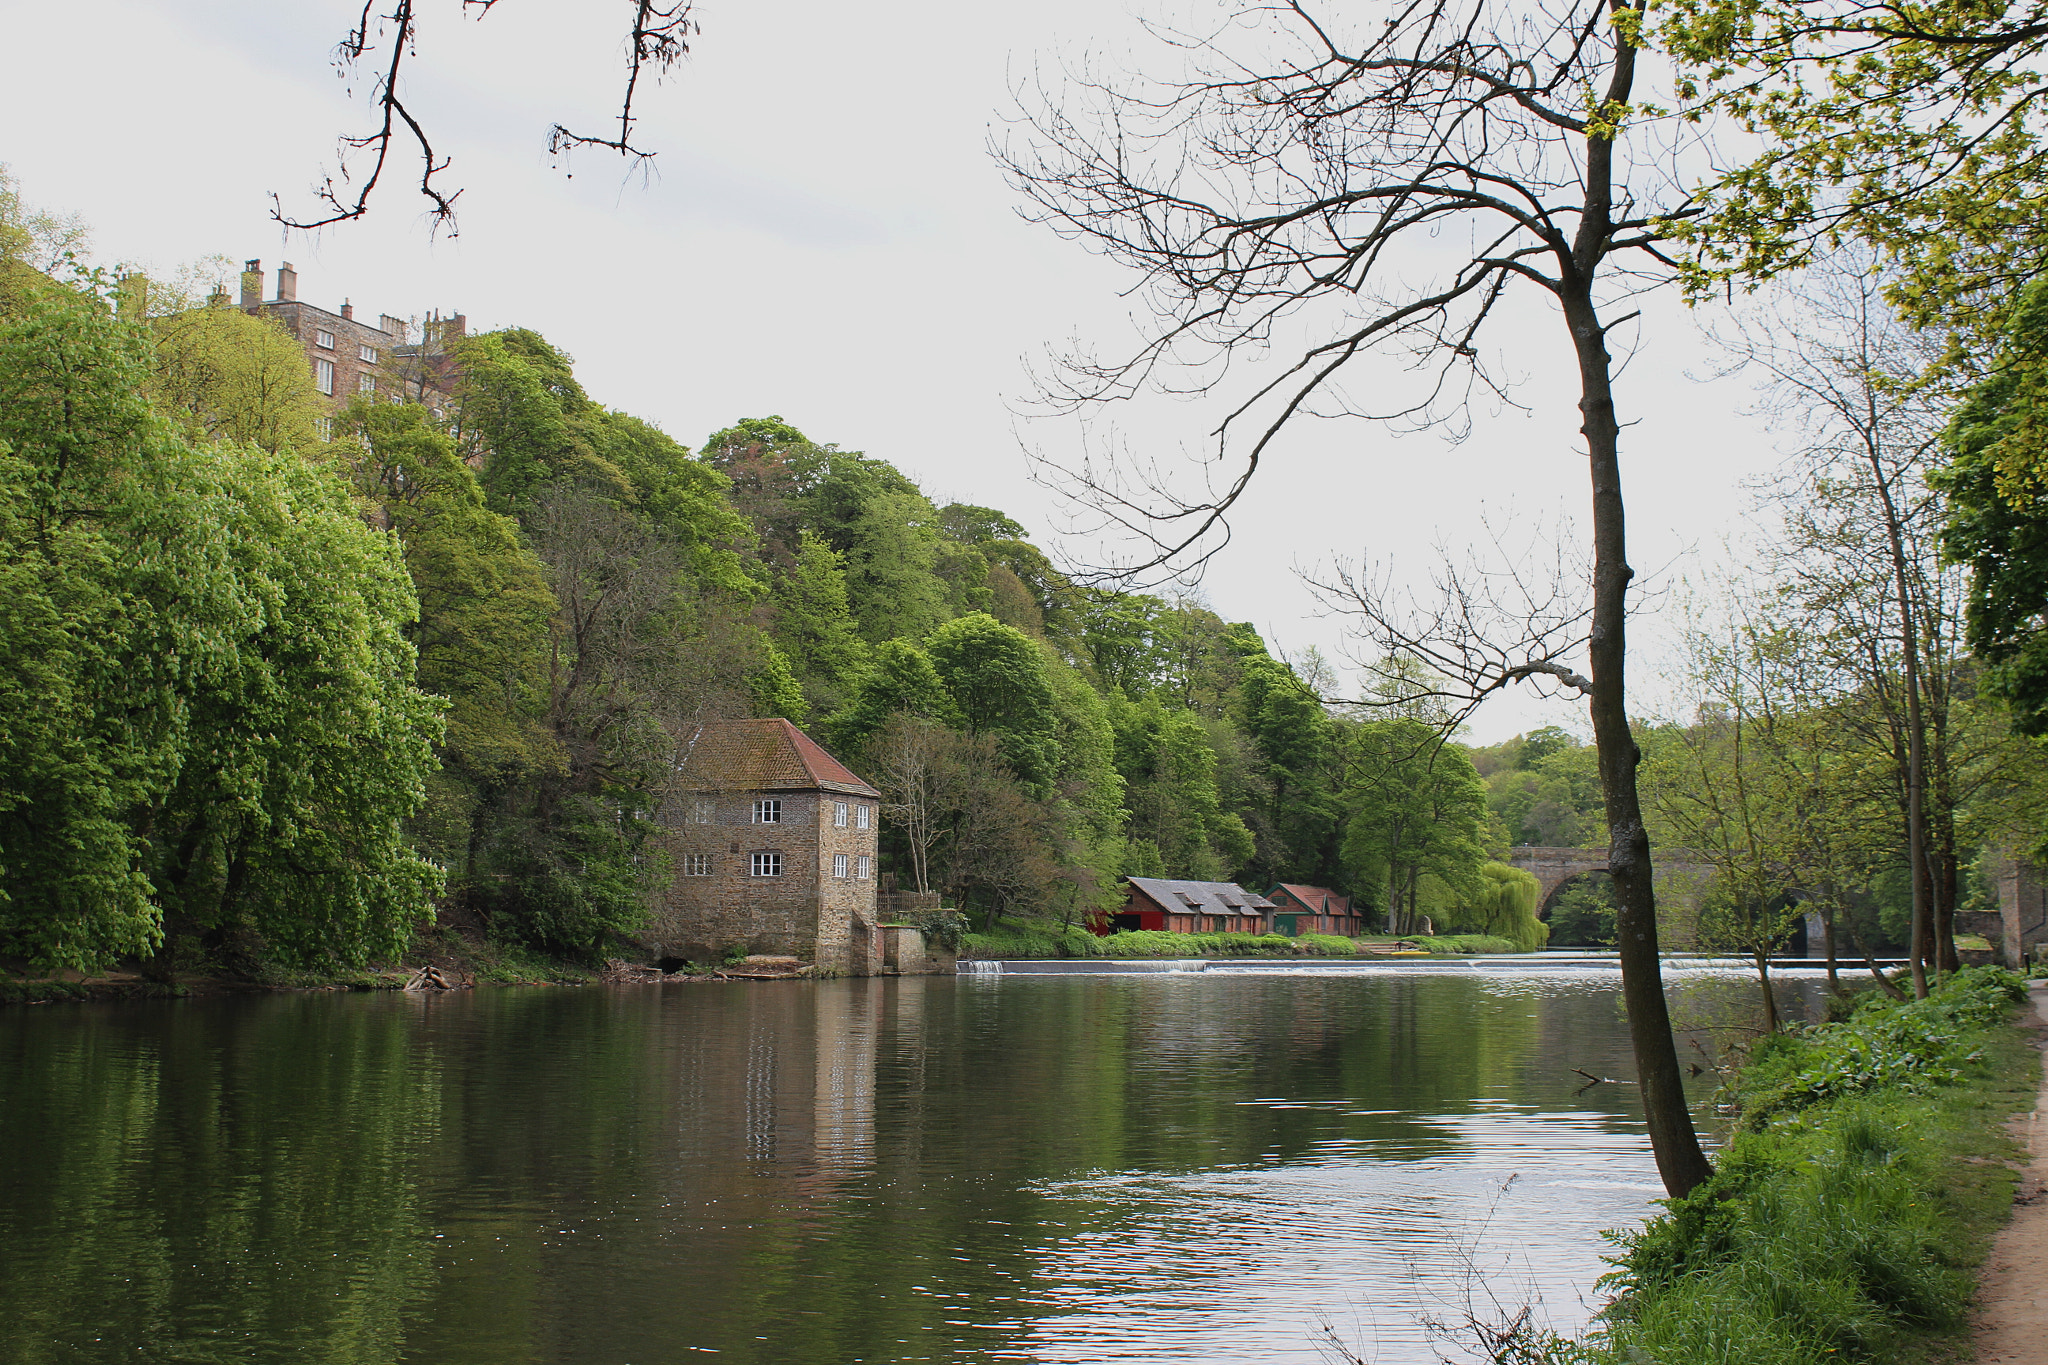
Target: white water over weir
x,y
1516,964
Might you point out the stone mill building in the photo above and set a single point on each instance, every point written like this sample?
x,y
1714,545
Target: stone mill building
x,y
773,841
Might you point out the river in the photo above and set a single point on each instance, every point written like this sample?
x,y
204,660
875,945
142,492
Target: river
x,y
1206,1167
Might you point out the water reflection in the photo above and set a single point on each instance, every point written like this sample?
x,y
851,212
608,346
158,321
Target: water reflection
x,y
1158,1167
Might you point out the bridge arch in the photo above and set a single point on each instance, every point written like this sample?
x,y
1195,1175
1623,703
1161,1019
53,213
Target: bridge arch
x,y
1679,874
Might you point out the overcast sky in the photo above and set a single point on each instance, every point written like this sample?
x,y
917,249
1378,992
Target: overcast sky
x,y
825,238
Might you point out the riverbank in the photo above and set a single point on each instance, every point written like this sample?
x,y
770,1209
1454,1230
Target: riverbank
x,y
1870,1167
455,956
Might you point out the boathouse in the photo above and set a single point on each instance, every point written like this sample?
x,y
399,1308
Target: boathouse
x,y
773,845
1182,907
1313,910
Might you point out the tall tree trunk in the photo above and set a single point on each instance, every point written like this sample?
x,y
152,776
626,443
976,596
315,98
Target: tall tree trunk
x,y
1916,731
1680,1162
1762,957
1827,937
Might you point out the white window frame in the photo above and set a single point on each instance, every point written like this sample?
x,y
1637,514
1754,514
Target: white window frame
x,y
366,383
323,375
696,864
324,340
704,810
863,866
839,815
766,864
862,817
839,869
768,811
366,354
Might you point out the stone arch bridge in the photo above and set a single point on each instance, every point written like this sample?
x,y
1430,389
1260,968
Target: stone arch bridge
x,y
1678,873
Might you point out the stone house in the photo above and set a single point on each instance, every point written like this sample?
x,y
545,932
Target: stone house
x,y
773,841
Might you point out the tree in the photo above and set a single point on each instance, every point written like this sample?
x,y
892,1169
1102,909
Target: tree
x,y
1915,126
898,680
996,679
1502,903
211,726
1417,810
813,623
227,376
1315,187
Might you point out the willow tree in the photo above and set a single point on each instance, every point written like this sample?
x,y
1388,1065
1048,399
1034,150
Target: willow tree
x,y
1302,176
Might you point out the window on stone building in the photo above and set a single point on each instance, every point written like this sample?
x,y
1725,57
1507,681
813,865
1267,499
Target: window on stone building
x,y
703,810
767,864
366,354
325,427
696,864
324,340
861,816
323,376
768,811
839,814
863,866
366,383
839,865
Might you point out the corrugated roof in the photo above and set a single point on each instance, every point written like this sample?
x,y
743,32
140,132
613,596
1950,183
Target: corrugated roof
x,y
1215,898
1318,898
761,755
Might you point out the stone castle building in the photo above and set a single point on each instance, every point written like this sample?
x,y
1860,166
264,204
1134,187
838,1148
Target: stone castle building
x,y
390,361
774,847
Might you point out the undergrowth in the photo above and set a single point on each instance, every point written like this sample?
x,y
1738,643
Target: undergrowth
x,y
1862,1181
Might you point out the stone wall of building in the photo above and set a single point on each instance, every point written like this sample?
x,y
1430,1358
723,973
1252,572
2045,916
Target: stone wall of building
x,y
807,911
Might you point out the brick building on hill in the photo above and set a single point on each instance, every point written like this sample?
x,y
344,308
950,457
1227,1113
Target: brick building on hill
x,y
391,360
774,848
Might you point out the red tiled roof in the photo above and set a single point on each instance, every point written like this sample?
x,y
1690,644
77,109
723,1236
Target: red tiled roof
x,y
761,755
1314,897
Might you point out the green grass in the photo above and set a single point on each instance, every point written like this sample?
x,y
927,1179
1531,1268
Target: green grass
x,y
1465,944
1865,1177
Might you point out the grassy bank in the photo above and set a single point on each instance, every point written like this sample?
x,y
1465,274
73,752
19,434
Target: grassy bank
x,y
1863,1182
478,962
1018,941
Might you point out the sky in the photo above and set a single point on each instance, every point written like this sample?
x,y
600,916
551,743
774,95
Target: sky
x,y
825,237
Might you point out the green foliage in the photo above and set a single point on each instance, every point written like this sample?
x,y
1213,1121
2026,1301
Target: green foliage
x,y
1418,810
1460,945
996,679
813,625
1832,1225
1582,914
210,718
224,375
1502,904
899,680
775,689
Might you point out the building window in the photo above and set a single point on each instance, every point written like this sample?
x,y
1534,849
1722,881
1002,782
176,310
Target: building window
x,y
861,816
862,867
768,811
704,810
324,340
696,864
366,354
366,383
325,427
323,376
767,864
839,814
839,866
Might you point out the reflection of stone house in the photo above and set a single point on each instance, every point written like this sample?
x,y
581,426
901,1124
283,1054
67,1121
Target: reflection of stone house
x,y
774,848
1190,907
1313,910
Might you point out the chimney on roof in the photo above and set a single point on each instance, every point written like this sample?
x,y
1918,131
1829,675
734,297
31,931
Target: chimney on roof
x,y
395,326
287,283
252,283
348,311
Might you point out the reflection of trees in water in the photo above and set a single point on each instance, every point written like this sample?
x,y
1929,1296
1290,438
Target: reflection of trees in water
x,y
227,1183
605,1175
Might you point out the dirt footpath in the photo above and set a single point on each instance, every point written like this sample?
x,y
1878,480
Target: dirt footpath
x,y
2012,1297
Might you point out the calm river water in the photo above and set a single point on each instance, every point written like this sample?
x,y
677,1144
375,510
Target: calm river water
x,y
1025,1168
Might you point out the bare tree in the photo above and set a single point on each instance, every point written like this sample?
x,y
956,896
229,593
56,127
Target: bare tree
x,y
382,40
908,760
1313,188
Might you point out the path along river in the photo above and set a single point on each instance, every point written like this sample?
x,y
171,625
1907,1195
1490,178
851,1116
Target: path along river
x,y
1151,1166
